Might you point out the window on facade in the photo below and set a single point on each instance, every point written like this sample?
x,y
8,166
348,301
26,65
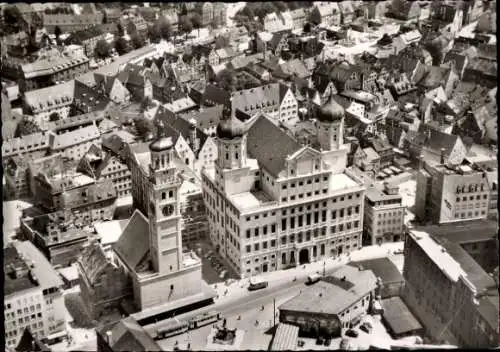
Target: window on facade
x,y
248,248
283,224
273,228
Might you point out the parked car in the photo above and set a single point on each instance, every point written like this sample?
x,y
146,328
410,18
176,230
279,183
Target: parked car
x,y
300,343
328,341
319,341
365,328
367,323
399,251
351,333
344,344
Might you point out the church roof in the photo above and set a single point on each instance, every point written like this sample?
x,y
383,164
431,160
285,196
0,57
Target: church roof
x,y
133,244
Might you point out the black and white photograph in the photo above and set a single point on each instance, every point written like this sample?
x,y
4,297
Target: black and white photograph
x,y
249,176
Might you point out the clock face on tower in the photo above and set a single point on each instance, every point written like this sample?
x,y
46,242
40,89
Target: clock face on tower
x,y
168,210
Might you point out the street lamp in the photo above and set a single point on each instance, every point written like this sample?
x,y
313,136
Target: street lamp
x,y
274,311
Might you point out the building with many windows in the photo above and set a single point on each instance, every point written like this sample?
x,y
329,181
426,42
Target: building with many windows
x,y
273,203
32,295
448,193
453,297
150,248
384,215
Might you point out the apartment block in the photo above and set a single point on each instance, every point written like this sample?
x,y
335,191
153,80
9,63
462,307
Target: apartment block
x,y
453,297
448,193
383,216
32,295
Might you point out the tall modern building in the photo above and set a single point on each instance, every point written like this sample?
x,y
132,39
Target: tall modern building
x,y
456,193
453,297
150,248
273,203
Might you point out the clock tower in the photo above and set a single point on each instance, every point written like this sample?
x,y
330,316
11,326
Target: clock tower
x,y
164,207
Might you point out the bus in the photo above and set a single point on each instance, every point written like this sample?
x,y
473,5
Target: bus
x,y
313,278
257,284
204,319
169,328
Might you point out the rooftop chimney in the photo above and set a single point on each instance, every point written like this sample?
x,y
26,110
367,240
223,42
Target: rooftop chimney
x,y
109,337
420,161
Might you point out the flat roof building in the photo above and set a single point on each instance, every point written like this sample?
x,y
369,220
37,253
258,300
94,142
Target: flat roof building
x,y
452,296
332,304
32,295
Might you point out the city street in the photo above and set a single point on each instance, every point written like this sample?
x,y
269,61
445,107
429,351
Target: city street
x,y
240,301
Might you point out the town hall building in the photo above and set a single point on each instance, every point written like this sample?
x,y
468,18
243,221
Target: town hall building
x,y
273,203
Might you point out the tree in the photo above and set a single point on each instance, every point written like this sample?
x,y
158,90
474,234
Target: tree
x,y
280,6
12,19
146,103
143,127
221,41
122,46
54,117
120,30
26,127
227,80
186,25
196,21
102,49
248,12
215,23
137,41
154,33
165,28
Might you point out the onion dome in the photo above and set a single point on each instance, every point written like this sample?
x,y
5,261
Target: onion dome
x,y
331,111
162,142
230,128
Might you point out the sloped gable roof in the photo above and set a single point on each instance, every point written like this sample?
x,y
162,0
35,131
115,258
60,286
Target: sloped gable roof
x,y
30,344
263,137
130,336
92,262
133,244
206,117
435,139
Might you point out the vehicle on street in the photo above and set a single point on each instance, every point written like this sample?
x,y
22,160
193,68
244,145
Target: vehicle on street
x,y
257,284
204,319
313,278
223,274
344,344
319,341
399,251
365,328
300,343
328,341
367,323
351,333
